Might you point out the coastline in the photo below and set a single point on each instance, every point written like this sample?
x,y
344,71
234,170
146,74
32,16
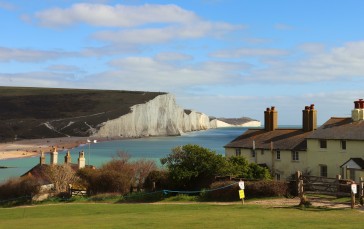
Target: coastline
x,y
33,147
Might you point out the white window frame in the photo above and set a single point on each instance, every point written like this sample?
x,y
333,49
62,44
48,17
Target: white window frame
x,y
295,155
253,153
321,142
323,172
278,155
237,152
342,144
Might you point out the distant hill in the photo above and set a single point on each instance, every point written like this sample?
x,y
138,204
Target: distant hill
x,y
236,121
53,112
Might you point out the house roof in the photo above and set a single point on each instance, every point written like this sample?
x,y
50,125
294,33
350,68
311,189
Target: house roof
x,y
339,128
283,139
39,171
359,161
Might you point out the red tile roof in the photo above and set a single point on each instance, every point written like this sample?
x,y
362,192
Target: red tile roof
x,y
283,139
339,128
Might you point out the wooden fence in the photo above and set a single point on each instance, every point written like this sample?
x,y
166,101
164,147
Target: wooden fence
x,y
328,186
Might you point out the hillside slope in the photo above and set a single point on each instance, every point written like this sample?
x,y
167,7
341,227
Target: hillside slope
x,y
45,112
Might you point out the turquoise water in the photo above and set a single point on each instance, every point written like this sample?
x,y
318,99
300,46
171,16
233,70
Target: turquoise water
x,y
152,148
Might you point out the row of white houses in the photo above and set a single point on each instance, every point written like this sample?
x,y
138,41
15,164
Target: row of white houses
x,y
336,147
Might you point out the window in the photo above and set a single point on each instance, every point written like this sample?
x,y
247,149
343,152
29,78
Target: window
x,y
343,144
295,156
237,152
262,152
253,153
278,155
323,170
352,174
323,144
278,176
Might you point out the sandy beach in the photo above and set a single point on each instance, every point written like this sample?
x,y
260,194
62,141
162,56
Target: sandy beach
x,y
33,147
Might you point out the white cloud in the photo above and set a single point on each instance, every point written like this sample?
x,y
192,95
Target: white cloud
x,y
145,24
37,79
281,26
339,63
159,35
312,47
141,72
249,52
329,104
7,6
63,68
172,56
29,55
115,16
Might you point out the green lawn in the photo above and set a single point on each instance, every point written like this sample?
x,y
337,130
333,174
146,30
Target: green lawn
x,y
88,215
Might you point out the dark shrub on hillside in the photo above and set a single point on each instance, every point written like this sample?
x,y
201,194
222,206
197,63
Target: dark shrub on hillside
x,y
160,178
266,188
105,181
18,188
219,191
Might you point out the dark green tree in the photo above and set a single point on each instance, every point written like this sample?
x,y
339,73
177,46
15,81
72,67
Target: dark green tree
x,y
240,167
192,167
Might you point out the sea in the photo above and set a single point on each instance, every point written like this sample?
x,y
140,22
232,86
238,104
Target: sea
x,y
151,148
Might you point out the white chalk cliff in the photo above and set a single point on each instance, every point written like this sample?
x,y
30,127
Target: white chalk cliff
x,y
160,116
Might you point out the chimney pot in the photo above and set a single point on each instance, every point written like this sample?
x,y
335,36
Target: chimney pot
x,y
272,108
356,104
312,107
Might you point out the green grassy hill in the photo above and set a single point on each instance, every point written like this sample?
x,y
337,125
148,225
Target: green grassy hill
x,y
53,112
175,216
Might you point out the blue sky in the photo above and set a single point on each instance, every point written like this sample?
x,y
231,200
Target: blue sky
x,y
228,58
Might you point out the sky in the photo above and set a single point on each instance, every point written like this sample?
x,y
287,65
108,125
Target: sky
x,y
225,58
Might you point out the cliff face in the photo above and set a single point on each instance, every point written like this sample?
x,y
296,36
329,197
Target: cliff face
x,y
159,116
29,113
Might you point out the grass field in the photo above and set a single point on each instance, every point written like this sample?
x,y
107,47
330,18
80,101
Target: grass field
x,y
88,215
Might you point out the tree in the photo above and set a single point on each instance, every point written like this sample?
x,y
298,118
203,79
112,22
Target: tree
x,y
141,170
60,176
240,167
193,167
117,175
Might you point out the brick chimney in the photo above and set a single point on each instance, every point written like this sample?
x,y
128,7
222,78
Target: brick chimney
x,y
309,118
67,158
54,156
357,114
270,119
81,160
42,158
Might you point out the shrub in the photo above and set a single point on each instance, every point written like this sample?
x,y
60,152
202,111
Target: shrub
x,y
230,193
266,188
192,167
19,188
118,175
159,177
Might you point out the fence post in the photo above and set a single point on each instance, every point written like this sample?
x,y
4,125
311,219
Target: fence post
x,y
352,197
338,178
361,191
299,183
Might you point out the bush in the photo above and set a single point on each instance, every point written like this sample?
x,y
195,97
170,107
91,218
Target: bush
x,y
230,193
19,188
266,188
160,178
